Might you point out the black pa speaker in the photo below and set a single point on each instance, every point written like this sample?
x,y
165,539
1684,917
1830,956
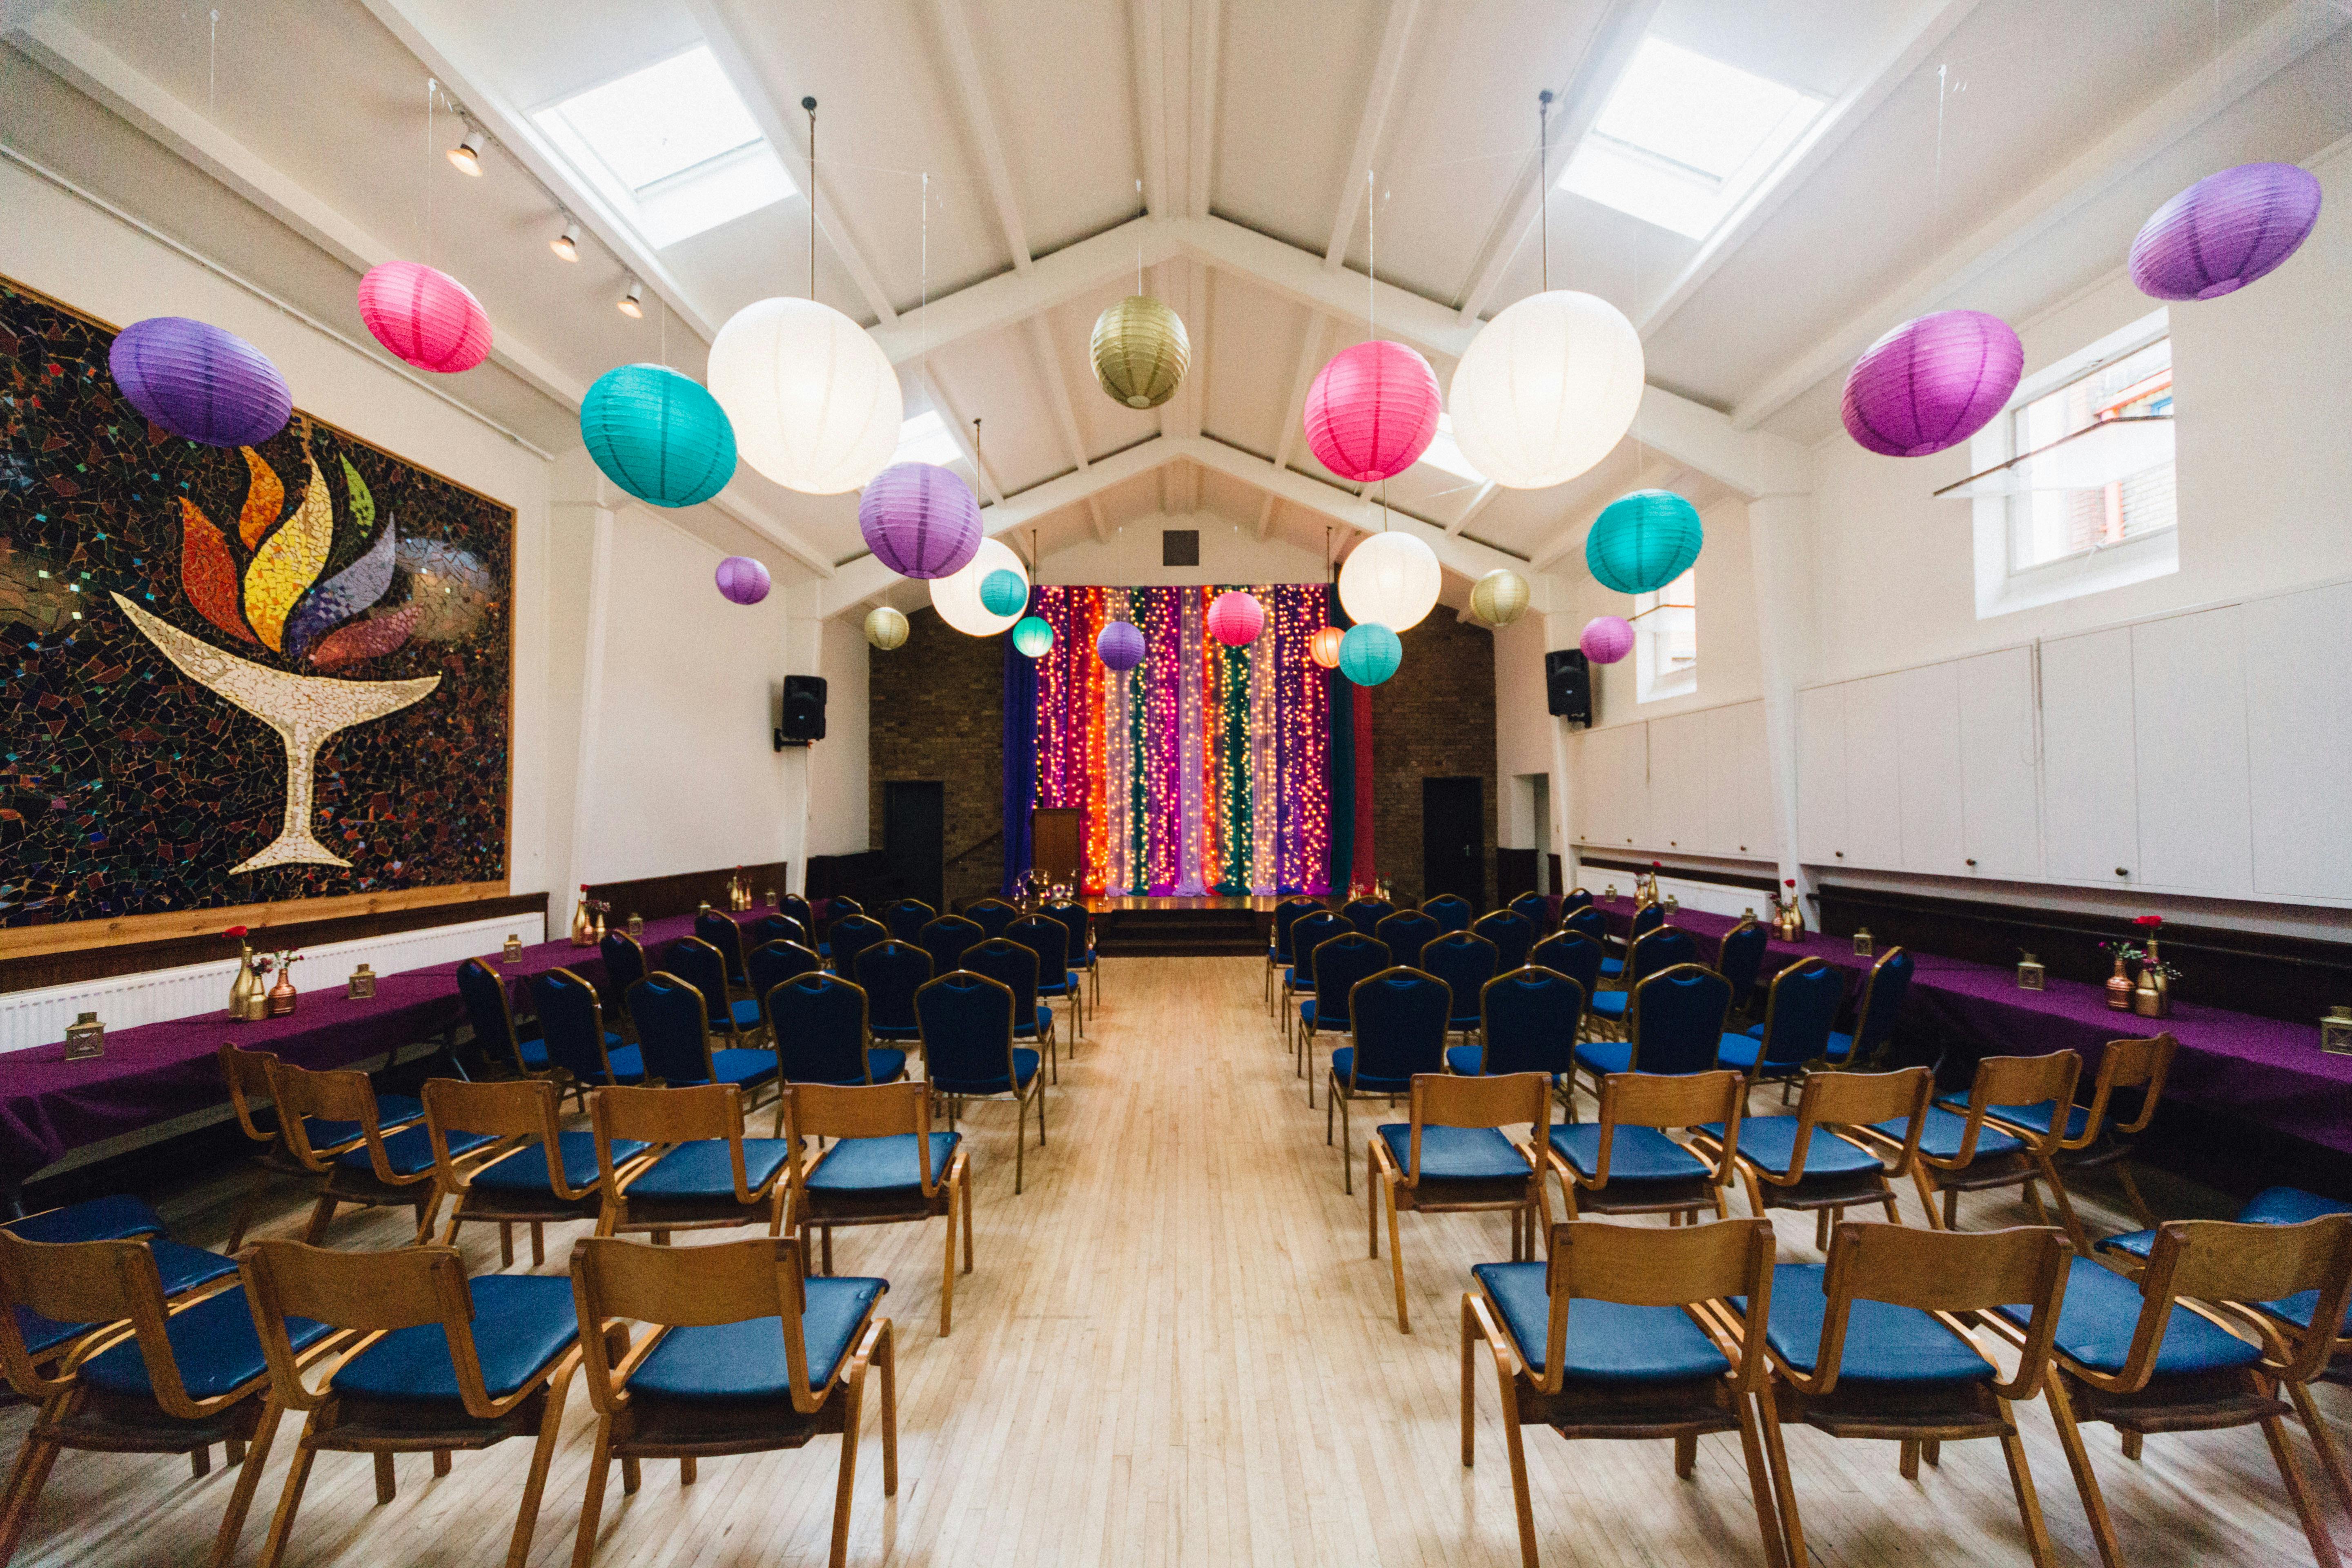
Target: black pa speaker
x,y
803,713
1567,685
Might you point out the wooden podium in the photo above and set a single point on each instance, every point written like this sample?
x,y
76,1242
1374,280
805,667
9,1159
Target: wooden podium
x,y
1057,837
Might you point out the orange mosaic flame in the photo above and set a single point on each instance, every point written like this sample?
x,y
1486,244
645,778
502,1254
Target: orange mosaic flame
x,y
264,498
207,573
290,560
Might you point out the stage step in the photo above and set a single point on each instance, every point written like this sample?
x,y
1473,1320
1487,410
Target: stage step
x,y
1181,934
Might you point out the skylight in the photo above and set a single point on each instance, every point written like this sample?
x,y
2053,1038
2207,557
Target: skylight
x,y
1684,139
1445,454
672,146
925,438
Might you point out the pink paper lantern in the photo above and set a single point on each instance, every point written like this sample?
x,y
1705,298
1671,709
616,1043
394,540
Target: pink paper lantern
x,y
1606,640
1235,617
426,317
743,580
1932,383
1372,411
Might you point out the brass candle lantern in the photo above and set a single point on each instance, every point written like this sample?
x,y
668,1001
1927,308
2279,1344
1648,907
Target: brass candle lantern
x,y
1862,947
513,950
637,923
2031,974
361,985
85,1038
2335,1032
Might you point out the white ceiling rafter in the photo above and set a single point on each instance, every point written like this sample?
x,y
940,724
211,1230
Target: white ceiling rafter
x,y
960,428
974,83
1480,500
1057,387
1095,517
1208,38
1311,355
1265,514
1387,65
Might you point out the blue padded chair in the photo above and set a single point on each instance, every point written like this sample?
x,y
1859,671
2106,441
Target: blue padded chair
x,y
572,1021
247,1074
1286,914
1675,1025
1587,921
1663,947
2097,1136
1575,899
491,1012
1049,938
378,1170
773,962
992,916
1015,967
674,1034
1882,999
1398,1034
849,936
1623,1162
1365,914
1533,908
1647,919
750,1357
768,928
1310,932
1450,911
704,967
1572,953
946,939
1613,1336
459,1362
1466,961
1799,1009
890,972
1082,958
1512,934
1879,1356
1816,1161
1527,1022
1739,958
677,1159
721,933
799,909
2129,1252
1407,930
1350,957
181,1271
907,918
1964,1152
537,1174
885,1166
625,965
1453,1157
968,1054
818,1022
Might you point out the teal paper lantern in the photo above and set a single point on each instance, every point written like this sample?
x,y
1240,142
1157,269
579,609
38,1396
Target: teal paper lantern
x,y
1643,541
658,434
1033,635
1002,593
1370,653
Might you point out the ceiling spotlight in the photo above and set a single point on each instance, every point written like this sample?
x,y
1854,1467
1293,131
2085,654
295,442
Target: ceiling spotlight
x,y
566,245
467,154
633,303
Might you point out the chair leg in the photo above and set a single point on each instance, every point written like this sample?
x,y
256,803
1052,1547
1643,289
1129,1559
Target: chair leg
x,y
948,1269
386,1486
247,1207
2029,1502
322,1215
967,1218
2078,1460
1759,1484
1396,1259
1020,1138
1347,1169
1685,1455
592,1504
24,1483
1910,1462
1784,1490
1927,1186
550,1430
2140,1208
1522,1503
289,1500
506,1245
1469,1383
886,1356
851,1393
2323,1545
2331,1457
2066,1216
248,1479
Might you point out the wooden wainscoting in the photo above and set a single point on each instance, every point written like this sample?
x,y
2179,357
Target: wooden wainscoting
x,y
683,892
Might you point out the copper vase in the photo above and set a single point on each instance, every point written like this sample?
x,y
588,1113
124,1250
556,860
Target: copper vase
x,y
282,995
2119,988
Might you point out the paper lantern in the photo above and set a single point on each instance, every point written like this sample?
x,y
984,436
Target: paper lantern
x,y
743,580
814,400
658,435
1033,635
1643,541
1235,617
1392,578
1606,640
2225,231
1372,411
1932,383
1499,597
425,316
1323,648
1370,653
920,520
200,382
885,628
956,596
1119,646
1004,592
1140,351
1546,389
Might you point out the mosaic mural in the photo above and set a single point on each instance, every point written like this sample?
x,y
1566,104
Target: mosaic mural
x,y
233,675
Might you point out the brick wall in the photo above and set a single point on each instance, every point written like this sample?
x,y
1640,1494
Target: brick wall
x,y
936,711
1434,717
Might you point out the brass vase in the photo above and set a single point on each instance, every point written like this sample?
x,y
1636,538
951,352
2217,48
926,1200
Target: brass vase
x,y
2119,987
248,998
596,935
583,929
2152,997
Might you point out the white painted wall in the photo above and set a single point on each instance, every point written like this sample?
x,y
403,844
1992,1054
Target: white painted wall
x,y
1230,552
837,807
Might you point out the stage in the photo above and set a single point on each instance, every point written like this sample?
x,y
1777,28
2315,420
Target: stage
x,y
1129,927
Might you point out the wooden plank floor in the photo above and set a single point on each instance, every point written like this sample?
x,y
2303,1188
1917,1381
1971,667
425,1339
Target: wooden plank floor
x,y
1175,1351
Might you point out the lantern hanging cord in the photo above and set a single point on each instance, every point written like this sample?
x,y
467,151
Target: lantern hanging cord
x,y
212,65
1139,244
809,104
1543,182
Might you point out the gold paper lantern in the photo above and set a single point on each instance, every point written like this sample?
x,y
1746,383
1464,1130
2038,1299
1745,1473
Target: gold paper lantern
x,y
885,628
1323,648
1140,351
1499,597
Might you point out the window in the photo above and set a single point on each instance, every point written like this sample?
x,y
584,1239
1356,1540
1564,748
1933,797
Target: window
x,y
2047,525
1684,139
1445,454
925,438
1665,640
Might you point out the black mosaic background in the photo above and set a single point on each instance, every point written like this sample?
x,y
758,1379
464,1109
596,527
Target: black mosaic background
x,y
126,788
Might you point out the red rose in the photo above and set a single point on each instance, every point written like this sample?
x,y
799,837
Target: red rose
x,y
1788,881
2150,920
234,930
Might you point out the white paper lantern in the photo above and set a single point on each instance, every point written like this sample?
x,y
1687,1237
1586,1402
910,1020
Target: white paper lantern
x,y
957,595
1390,579
814,401
1546,389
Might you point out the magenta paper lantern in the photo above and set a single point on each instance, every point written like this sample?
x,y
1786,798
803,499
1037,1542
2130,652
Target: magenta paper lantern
x,y
200,382
425,316
920,520
1120,647
1606,640
743,580
1372,411
1932,383
2225,231
1235,617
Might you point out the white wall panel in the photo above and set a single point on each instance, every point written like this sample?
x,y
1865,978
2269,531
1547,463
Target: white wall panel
x,y
1821,775
1873,774
2090,817
2000,817
2189,715
1927,728
2298,654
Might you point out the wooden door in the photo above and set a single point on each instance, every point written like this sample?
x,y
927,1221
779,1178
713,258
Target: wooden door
x,y
1057,844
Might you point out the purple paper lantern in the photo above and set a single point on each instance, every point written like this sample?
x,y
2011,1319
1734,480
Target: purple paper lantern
x,y
920,520
743,580
1606,640
200,382
2225,231
1120,647
1932,383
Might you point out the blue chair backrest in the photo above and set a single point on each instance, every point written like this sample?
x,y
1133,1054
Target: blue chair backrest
x,y
1466,961
1073,921
1366,913
1647,919
721,933
1400,1023
1586,921
1740,958
851,935
771,963
1677,1020
1286,914
698,963
572,1023
1660,949
771,928
673,1028
1310,932
967,1022
1533,908
1512,935
1011,965
837,906
890,972
1801,1011
819,1024
624,964
945,940
1882,999
990,915
907,918
793,907
483,993
1050,940
1531,1019
1574,900
1338,964
1572,953
1450,911
1408,930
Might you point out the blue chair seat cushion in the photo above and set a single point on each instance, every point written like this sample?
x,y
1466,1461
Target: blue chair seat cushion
x,y
1769,1141
1036,1027
895,1031
1457,1153
525,1169
1840,1045
1635,1155
1062,988
745,1361
745,1015
704,1170
1883,1342
1024,1067
409,1152
534,1055
628,1061
2102,1308
1315,1021
742,1066
1467,1023
1612,967
2298,1307
213,1343
1941,1135
2034,1117
1465,1061
1343,1063
879,1164
1604,1056
181,1270
521,1322
393,1112
1610,1003
1608,1342
1740,1052
1296,985
116,1218
2281,1205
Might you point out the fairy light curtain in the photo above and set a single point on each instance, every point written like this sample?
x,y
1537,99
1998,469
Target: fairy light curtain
x,y
1203,771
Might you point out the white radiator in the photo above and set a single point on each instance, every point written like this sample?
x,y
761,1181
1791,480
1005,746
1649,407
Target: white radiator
x,y
29,1018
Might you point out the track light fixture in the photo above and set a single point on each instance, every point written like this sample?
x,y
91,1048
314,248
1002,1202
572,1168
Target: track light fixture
x,y
566,245
467,154
633,303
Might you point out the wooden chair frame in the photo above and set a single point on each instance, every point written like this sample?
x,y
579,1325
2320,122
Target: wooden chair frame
x,y
2003,1080
526,1116
1442,1101
1340,1094
878,1110
344,1094
2141,1064
1829,1103
666,1117
700,1287
1658,1101
1021,1098
246,1073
